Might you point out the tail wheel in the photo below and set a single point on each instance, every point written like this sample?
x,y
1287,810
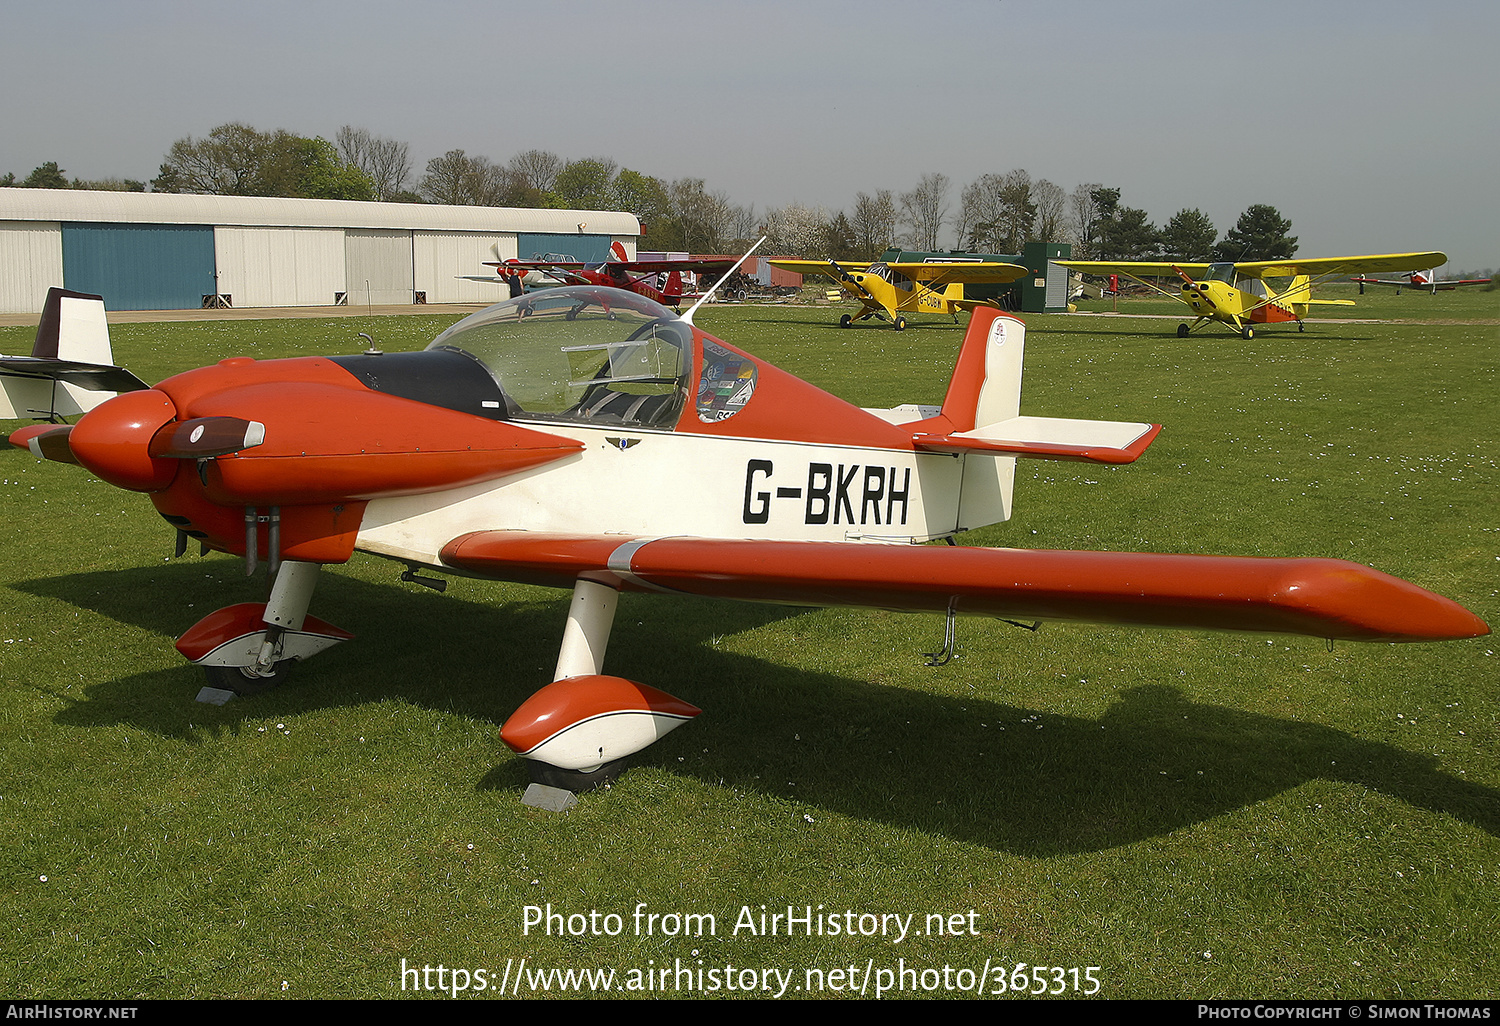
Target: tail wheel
x,y
244,681
1301,326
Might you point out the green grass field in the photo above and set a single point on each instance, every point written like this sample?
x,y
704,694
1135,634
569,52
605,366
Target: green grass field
x,y
1197,815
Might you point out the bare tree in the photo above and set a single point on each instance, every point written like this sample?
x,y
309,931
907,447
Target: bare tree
x,y
706,220
979,212
999,212
1085,218
1051,202
744,226
925,210
458,178
874,223
386,161
537,169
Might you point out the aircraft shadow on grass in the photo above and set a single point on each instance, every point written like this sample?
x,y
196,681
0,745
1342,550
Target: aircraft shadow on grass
x,y
816,318
1327,334
977,770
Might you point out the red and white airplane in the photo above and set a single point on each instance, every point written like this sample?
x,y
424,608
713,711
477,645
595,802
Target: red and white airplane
x,y
643,277
1427,280
631,451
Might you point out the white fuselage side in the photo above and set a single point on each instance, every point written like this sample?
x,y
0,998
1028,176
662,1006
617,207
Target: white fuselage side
x,y
656,484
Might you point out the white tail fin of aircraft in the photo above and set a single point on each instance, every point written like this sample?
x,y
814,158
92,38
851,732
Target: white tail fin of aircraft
x,y
71,368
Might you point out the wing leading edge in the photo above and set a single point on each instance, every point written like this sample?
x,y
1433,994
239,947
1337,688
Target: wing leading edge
x,y
968,272
1325,598
1316,267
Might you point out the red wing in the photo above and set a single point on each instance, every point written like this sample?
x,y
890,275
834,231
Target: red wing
x,y
700,266
632,266
1325,598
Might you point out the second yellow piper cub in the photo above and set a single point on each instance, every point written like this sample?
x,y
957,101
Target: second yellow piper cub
x,y
889,290
1211,290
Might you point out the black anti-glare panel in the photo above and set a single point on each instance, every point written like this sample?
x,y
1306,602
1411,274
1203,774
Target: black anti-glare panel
x,y
438,377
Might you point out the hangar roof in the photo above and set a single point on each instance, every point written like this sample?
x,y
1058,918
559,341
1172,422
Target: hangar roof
x,y
176,208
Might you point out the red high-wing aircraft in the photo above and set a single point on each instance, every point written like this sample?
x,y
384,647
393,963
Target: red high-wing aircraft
x,y
620,272
546,440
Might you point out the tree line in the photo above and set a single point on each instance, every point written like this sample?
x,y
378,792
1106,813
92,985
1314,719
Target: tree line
x,y
996,213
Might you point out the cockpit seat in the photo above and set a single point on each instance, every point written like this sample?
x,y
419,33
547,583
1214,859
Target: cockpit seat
x,y
608,406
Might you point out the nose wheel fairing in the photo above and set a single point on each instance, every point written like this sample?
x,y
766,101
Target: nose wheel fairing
x,y
249,647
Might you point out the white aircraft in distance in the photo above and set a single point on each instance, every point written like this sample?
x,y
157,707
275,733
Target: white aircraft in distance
x,y
1427,281
590,439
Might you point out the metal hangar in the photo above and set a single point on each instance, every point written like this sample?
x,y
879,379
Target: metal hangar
x,y
165,251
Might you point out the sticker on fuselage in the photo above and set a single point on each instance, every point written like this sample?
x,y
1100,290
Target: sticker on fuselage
x,y
726,384
828,493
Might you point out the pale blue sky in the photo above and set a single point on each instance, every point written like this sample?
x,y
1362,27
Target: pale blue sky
x,y
1371,125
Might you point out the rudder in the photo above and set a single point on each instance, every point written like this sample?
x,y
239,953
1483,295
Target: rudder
x,y
986,384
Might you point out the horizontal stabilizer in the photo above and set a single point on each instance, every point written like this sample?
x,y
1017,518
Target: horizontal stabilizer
x,y
95,377
1324,598
1049,438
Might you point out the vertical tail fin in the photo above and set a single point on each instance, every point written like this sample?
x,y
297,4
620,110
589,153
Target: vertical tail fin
x,y
71,367
73,328
985,389
986,384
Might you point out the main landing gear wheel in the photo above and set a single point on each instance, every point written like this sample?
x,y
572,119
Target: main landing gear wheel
x,y
1182,331
900,323
1245,332
244,681
845,320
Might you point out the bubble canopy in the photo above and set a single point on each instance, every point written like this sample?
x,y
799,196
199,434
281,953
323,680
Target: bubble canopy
x,y
581,354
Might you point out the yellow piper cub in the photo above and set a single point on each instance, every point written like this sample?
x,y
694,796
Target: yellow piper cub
x,y
1211,290
888,290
